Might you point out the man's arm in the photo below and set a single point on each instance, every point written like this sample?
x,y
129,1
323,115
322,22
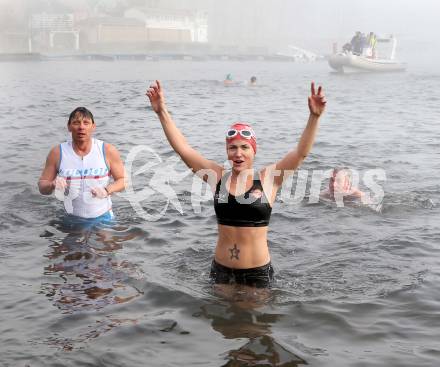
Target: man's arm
x,y
325,194
117,169
48,178
357,193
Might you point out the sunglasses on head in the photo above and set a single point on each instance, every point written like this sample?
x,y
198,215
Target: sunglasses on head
x,y
244,133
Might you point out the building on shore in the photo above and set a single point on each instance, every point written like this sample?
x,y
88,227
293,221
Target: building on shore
x,y
144,31
171,25
15,42
53,32
152,29
110,34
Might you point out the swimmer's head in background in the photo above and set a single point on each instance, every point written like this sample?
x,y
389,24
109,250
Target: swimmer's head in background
x,y
81,112
253,79
228,76
341,178
345,171
243,131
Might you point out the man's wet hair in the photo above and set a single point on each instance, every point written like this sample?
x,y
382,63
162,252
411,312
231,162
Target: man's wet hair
x,y
82,112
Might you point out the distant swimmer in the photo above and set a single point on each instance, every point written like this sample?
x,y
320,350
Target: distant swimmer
x,y
243,198
81,169
253,81
228,79
340,187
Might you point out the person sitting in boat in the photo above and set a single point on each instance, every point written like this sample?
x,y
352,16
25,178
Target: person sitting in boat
x,y
340,187
347,48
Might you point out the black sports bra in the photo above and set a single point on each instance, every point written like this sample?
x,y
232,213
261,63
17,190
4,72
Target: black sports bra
x,y
251,209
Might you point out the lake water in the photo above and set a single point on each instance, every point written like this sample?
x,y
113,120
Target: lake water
x,y
355,285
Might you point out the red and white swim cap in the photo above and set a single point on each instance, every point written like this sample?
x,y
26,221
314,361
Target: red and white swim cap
x,y
243,131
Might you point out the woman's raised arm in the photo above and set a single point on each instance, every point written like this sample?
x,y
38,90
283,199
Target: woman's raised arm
x,y
294,158
192,158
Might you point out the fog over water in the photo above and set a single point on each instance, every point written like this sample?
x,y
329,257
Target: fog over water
x,y
310,24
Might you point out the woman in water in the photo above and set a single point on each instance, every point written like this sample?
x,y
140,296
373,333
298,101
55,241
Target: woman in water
x,y
243,199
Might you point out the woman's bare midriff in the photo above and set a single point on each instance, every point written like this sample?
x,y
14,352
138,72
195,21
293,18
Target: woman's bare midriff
x,y
242,247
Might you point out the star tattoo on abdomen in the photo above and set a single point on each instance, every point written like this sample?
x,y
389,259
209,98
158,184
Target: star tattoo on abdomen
x,y
234,252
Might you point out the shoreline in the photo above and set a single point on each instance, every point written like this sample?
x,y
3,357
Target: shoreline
x,y
8,57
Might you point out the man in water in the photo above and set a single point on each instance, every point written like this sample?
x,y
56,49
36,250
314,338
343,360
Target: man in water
x,y
340,187
79,170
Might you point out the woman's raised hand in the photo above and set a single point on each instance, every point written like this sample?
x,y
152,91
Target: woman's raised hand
x,y
317,101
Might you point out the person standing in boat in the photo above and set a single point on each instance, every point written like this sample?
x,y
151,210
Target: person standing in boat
x,y
356,45
372,41
243,197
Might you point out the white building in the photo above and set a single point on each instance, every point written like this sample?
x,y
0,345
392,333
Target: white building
x,y
52,22
195,24
53,25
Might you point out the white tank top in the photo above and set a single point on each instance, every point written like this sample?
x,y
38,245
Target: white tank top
x,y
82,174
